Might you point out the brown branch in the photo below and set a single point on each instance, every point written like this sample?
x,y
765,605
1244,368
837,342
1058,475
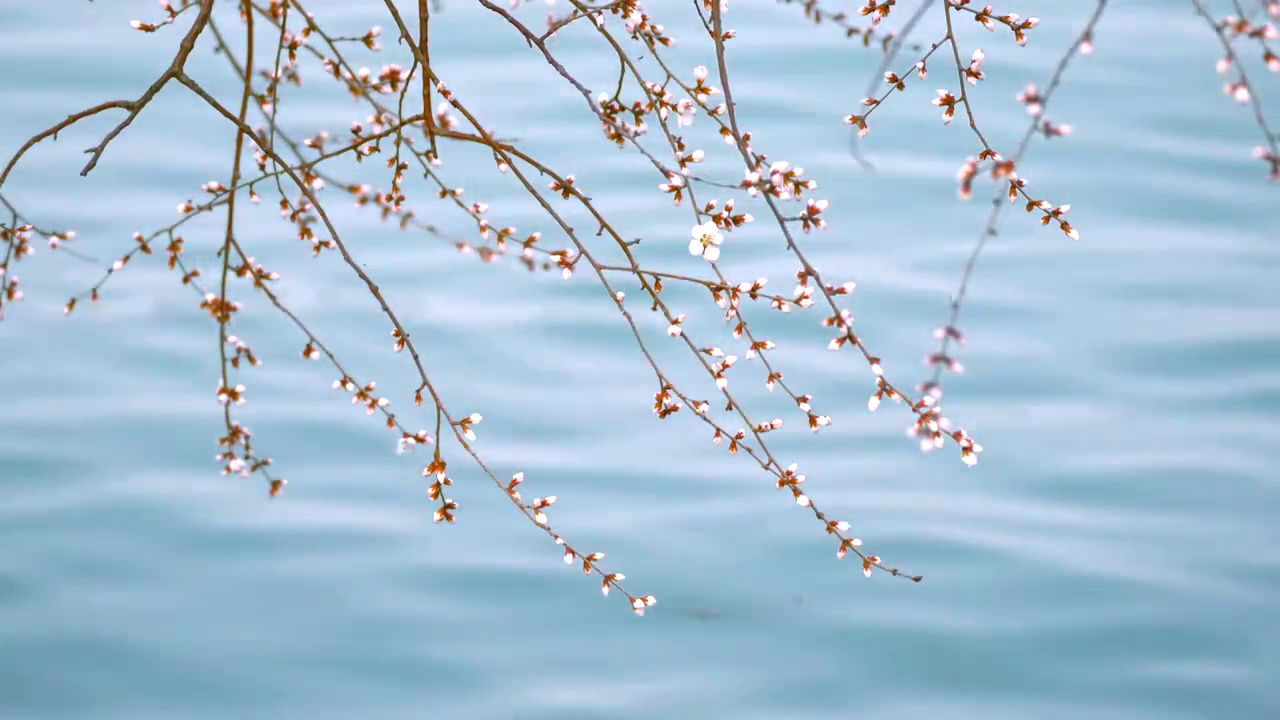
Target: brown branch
x,y
229,238
133,106
1255,102
950,332
424,32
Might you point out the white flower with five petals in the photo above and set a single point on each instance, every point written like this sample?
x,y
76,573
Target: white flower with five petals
x,y
706,241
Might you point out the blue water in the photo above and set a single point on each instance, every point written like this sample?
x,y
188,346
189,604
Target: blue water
x,y
1113,555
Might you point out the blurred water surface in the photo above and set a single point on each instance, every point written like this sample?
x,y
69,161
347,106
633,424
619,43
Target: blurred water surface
x,y
1112,556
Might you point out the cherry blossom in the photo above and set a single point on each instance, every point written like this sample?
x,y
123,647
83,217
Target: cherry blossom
x,y
706,241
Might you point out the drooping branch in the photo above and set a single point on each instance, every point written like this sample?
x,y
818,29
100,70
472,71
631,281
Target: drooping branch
x,y
949,334
415,146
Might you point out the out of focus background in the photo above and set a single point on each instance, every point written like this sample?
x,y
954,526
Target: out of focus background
x,y
1113,555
